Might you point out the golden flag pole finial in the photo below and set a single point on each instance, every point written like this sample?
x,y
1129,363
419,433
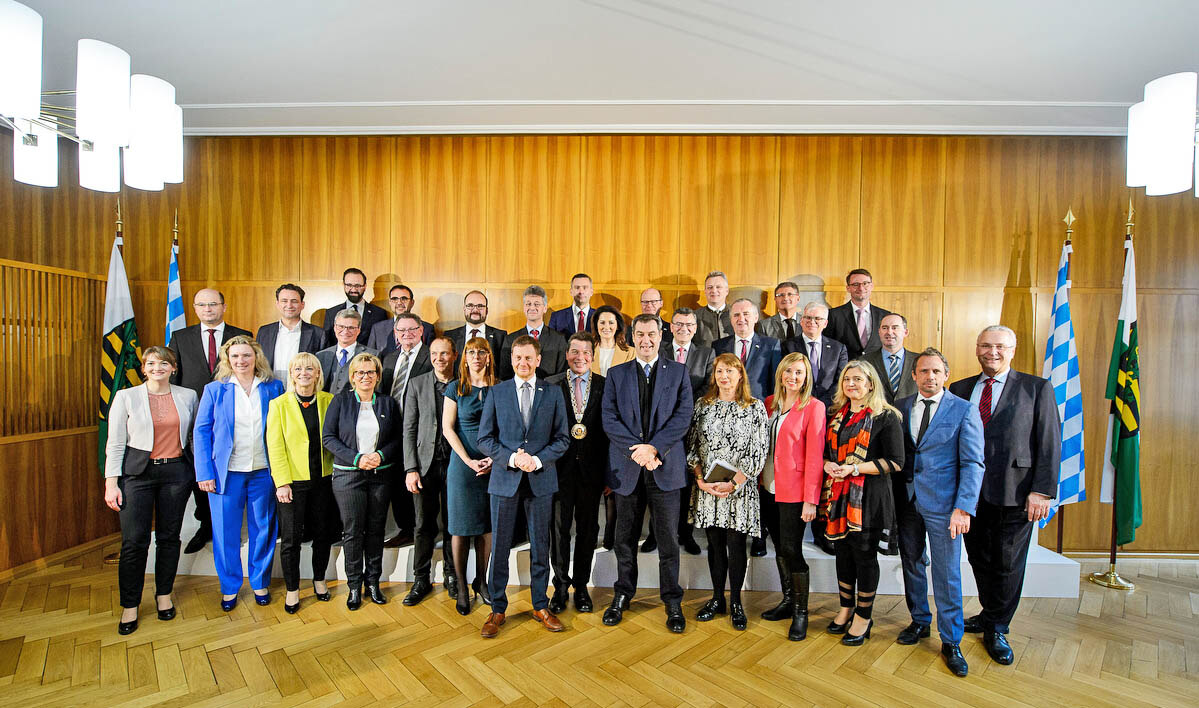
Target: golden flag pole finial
x,y
175,229
1069,222
119,222
1129,224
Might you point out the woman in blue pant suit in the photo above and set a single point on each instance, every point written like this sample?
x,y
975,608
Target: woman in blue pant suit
x,y
231,465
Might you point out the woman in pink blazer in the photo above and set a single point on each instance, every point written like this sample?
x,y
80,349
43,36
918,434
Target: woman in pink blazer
x,y
791,479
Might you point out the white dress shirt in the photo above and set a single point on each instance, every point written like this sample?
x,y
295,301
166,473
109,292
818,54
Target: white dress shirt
x,y
918,412
996,388
249,445
674,352
574,315
747,342
220,339
605,358
466,333
287,345
807,351
367,428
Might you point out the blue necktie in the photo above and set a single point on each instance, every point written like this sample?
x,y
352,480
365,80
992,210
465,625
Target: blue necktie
x,y
893,372
345,354
647,372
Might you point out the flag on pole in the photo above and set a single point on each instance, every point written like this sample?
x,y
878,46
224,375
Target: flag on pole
x,y
175,320
1122,455
120,354
1061,368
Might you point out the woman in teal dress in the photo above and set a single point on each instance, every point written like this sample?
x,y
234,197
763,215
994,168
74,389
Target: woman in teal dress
x,y
468,504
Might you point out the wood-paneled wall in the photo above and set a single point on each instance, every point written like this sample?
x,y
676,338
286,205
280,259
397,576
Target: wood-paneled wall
x,y
959,232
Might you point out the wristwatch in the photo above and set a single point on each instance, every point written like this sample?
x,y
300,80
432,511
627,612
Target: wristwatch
x,y
855,470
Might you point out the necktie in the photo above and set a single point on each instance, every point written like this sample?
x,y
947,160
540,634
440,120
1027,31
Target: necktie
x,y
582,324
526,401
536,334
474,333
345,355
790,327
647,370
744,349
211,350
401,375
814,358
893,373
984,402
681,356
579,393
928,407
863,327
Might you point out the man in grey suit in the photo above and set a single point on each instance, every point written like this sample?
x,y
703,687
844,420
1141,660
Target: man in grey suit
x,y
893,362
382,335
411,358
713,321
290,335
550,342
474,311
784,324
855,324
335,360
426,458
827,356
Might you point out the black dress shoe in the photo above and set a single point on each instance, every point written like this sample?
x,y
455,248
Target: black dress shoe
x,y
835,628
615,612
998,648
420,590
167,615
710,609
974,625
291,609
650,545
354,600
127,627
857,640
322,596
737,616
675,621
480,587
558,601
913,633
583,600
687,543
262,600
463,603
757,547
952,655
197,542
376,594
451,586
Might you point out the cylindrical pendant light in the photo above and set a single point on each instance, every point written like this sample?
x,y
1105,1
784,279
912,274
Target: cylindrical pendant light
x,y
20,61
150,102
174,146
35,158
1139,142
99,166
1171,100
102,93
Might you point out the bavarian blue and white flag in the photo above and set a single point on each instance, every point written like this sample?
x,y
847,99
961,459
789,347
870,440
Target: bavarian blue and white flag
x,y
1061,368
175,320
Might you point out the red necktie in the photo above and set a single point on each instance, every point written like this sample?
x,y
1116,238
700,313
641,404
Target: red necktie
x,y
681,357
211,350
579,392
582,324
536,334
474,333
984,402
744,347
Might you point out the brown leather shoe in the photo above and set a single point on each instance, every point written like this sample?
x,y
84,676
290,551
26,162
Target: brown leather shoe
x,y
492,626
548,620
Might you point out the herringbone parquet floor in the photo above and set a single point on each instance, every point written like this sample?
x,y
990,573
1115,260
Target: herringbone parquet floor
x,y
59,646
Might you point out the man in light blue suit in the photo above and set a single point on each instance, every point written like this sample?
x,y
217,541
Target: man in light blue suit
x,y
944,471
524,430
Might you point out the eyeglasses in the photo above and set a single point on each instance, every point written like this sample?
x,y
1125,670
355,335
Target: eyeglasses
x,y
994,347
400,299
363,373
208,304
809,318
345,328
650,302
683,325
474,307
354,286
862,284
404,330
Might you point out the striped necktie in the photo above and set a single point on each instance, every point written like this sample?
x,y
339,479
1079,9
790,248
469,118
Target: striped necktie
x,y
401,376
893,373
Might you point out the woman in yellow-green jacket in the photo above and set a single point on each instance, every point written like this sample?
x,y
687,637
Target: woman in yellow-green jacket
x,y
303,472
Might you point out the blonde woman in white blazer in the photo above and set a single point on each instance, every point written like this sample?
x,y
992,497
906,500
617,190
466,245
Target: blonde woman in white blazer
x,y
147,476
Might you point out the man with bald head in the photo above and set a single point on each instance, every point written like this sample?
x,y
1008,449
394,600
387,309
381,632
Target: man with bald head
x,y
651,304
196,350
760,354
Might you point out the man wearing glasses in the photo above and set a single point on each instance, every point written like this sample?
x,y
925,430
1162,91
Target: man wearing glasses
x,y
784,324
382,336
855,324
651,304
353,281
474,311
335,360
408,360
827,355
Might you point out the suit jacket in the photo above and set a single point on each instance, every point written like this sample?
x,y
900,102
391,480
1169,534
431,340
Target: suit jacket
x,y
495,339
339,433
191,351
420,365
907,385
213,439
799,453
667,335
833,358
312,340
709,326
670,416
502,432
699,365
337,378
592,451
287,439
131,429
1023,447
371,316
844,328
946,468
773,327
760,363
383,339
564,320
421,427
553,353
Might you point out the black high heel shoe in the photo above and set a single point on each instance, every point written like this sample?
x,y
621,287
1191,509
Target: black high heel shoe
x,y
480,589
464,603
322,596
856,640
167,615
127,627
838,628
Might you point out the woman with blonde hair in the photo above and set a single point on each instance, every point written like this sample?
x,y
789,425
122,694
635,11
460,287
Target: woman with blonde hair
x,y
791,483
303,473
728,428
231,465
864,445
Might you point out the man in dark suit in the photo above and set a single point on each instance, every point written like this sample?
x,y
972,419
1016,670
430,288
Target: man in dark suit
x,y
410,360
382,335
942,474
353,281
1023,439
712,320
647,410
335,359
580,475
474,311
827,356
426,458
651,304
552,344
524,430
290,335
892,361
578,318
855,324
196,349
784,324
760,354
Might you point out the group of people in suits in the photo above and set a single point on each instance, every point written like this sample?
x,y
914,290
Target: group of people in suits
x,y
720,420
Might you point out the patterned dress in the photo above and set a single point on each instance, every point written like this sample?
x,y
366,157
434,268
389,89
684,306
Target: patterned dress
x,y
723,430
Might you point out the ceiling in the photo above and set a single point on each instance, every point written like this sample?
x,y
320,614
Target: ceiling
x,y
777,66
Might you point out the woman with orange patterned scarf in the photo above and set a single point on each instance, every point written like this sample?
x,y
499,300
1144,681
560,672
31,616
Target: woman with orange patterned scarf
x,y
864,445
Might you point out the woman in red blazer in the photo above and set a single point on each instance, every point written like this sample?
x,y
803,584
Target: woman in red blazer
x,y
792,479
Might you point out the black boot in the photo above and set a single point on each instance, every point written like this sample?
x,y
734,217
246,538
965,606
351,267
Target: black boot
x,y
799,612
782,610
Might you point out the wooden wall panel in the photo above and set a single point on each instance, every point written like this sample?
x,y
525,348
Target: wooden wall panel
x,y
903,210
819,207
922,311
1167,247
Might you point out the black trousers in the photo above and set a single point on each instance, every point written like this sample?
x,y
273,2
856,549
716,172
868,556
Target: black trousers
x,y
362,497
664,510
403,506
726,559
306,515
577,504
784,522
997,546
158,494
685,529
202,512
857,569
431,511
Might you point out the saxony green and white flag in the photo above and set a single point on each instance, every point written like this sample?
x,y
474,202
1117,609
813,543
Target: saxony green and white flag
x,y
120,353
1122,458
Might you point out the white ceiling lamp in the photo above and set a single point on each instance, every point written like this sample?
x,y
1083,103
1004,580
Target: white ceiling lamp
x,y
99,166
102,93
35,154
1138,144
173,144
1161,136
150,102
21,59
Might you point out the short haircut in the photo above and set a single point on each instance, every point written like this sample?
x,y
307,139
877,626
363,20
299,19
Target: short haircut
x,y
476,292
525,340
813,303
716,274
745,299
407,316
998,328
933,351
682,311
785,284
536,291
289,286
400,286
349,314
447,340
305,359
858,271
582,337
647,319
363,360
576,276
353,271
161,352
902,319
